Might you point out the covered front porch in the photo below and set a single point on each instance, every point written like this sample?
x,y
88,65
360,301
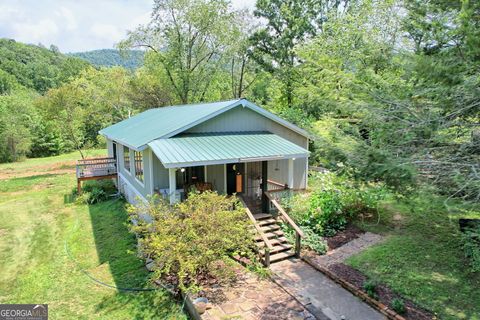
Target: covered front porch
x,y
237,163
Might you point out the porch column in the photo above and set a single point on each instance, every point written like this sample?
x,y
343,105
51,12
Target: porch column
x,y
290,173
265,204
172,183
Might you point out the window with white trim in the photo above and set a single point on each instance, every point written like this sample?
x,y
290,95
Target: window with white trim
x,y
139,166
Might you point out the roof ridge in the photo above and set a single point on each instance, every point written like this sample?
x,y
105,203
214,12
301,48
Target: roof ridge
x,y
195,104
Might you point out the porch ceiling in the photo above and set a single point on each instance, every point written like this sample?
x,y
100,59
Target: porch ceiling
x,y
218,148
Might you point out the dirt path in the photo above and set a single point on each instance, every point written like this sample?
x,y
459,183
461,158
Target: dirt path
x,y
55,168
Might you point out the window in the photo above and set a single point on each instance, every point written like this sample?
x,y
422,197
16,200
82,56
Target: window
x,y
126,158
138,166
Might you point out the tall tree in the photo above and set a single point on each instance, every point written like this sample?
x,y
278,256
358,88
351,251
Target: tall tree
x,y
188,38
288,23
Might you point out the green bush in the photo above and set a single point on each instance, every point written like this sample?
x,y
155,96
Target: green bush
x,y
193,240
96,191
325,214
398,306
312,240
370,287
471,247
335,201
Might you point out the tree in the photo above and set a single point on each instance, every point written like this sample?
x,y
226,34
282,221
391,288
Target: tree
x,y
16,118
288,24
188,38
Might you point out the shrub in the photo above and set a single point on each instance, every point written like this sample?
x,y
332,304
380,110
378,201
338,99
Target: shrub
x,y
336,200
312,240
370,288
96,191
471,247
193,240
398,306
325,214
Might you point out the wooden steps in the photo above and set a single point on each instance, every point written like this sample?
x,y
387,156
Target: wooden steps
x,y
272,230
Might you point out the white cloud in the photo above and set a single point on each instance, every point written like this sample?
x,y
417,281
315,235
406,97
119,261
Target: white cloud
x,y
67,15
35,32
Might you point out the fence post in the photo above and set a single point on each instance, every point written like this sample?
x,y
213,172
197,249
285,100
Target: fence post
x,y
298,245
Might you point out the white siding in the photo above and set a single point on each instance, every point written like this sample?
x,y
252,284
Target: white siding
x,y
160,174
243,119
215,175
281,175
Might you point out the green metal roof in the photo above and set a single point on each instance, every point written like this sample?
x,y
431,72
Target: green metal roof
x,y
157,123
216,148
136,132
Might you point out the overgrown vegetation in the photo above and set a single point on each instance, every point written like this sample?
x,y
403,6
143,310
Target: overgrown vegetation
x,y
334,201
96,191
471,247
193,241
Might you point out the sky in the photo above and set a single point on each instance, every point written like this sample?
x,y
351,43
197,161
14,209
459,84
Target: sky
x,y
75,26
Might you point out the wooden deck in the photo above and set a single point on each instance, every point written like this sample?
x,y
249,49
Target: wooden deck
x,y
95,169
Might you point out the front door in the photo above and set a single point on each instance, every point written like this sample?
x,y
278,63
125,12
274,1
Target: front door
x,y
235,173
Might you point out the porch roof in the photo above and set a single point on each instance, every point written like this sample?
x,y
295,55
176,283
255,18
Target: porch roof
x,y
217,148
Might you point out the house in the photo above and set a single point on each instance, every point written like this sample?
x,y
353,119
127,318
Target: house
x,y
228,146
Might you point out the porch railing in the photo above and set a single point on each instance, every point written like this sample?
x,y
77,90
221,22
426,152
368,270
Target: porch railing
x,y
96,167
268,245
286,218
274,185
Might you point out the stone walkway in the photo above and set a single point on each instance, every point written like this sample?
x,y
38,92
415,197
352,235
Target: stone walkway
x,y
253,298
324,298
351,248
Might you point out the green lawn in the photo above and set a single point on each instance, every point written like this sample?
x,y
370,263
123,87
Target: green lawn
x,y
422,258
37,219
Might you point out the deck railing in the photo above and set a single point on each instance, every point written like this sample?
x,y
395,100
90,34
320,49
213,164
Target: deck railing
x,y
96,167
286,218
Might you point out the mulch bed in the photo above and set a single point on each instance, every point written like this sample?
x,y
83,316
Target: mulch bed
x,y
342,237
385,294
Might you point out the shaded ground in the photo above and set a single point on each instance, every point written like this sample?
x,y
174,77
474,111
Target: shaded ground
x,y
358,244
36,217
342,237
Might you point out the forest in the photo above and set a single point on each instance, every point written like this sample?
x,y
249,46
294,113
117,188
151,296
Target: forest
x,y
130,59
389,89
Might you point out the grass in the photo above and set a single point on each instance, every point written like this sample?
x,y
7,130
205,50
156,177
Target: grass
x,y
37,220
422,258
37,166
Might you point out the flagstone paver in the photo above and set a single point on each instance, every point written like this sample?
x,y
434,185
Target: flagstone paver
x,y
253,298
